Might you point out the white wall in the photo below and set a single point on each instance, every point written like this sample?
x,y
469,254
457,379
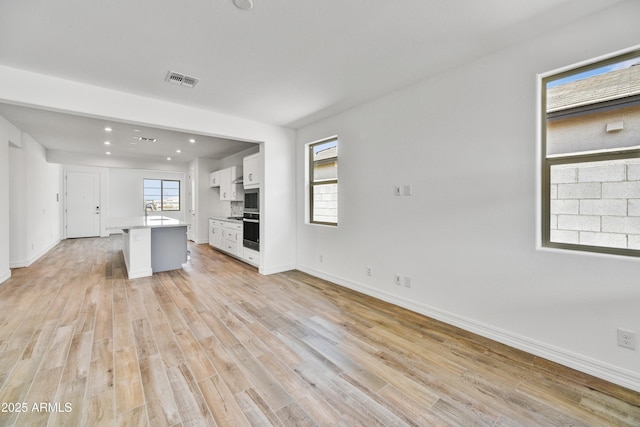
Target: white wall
x,y
18,206
208,202
9,134
34,202
126,192
466,141
43,201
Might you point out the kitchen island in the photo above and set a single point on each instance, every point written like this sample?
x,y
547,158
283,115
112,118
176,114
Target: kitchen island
x,y
152,244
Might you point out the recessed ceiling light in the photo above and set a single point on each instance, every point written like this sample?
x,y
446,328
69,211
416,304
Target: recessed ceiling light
x,y
243,4
107,143
107,129
192,140
136,130
168,158
178,151
108,153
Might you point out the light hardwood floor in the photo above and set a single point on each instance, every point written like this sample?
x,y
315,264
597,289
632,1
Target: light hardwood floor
x,y
219,344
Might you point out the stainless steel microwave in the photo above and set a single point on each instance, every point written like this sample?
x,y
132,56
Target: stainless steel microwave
x,y
252,200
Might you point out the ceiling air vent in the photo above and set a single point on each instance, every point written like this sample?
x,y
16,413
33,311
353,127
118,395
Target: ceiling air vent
x,y
181,79
145,139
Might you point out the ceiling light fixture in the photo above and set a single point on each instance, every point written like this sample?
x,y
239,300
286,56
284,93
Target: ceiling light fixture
x,y
107,143
192,140
107,129
168,158
243,4
178,151
108,153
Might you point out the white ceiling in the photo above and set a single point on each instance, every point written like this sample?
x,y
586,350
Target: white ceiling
x,y
284,62
86,135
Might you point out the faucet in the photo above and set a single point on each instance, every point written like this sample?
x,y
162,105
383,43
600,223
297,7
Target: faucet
x,y
146,209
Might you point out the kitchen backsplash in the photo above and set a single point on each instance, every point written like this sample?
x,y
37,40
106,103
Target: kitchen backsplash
x,y
237,208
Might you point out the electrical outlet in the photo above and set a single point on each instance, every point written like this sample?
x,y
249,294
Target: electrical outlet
x,y
408,190
397,190
397,279
407,282
369,271
627,339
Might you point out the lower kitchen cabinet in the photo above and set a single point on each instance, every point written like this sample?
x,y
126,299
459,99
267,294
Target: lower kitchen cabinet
x,y
226,236
215,234
232,234
250,256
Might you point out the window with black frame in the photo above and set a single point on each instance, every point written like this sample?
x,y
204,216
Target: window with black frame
x,y
161,195
591,157
323,181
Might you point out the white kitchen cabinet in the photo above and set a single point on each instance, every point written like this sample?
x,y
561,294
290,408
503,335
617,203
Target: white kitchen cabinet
x,y
252,171
226,236
214,179
229,188
216,238
250,256
232,234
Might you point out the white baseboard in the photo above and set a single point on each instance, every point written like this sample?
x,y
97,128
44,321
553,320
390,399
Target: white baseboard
x,y
34,258
5,276
605,371
277,269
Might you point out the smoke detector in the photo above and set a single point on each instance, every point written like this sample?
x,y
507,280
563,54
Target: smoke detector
x,y
181,79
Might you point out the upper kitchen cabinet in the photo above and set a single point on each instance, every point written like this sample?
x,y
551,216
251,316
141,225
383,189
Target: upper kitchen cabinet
x,y
214,179
252,171
230,189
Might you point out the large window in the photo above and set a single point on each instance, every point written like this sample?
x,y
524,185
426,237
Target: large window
x,y
323,181
162,194
591,157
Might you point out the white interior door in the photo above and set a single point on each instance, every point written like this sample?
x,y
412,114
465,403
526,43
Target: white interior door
x,y
83,204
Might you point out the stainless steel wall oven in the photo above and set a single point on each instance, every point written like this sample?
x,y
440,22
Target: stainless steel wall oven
x,y
251,231
251,219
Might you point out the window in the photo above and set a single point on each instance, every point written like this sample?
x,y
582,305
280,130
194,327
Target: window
x,y
323,182
591,157
162,194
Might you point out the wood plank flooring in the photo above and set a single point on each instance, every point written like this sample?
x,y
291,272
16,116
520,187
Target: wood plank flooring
x,y
219,344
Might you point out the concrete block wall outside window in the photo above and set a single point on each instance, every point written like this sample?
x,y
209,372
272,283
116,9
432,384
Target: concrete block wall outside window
x,y
596,204
325,207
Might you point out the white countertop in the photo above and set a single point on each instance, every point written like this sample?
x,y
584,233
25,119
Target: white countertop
x,y
227,219
151,221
